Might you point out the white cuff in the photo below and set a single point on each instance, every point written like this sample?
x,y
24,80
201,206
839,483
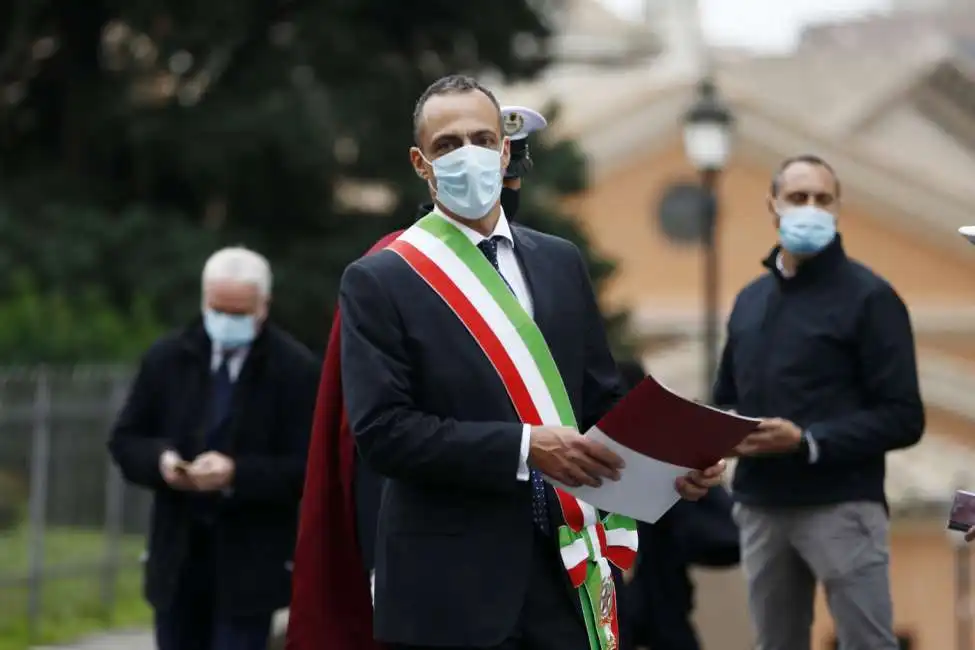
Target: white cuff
x,y
372,586
813,448
526,438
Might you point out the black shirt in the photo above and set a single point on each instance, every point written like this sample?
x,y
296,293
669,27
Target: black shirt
x,y
831,349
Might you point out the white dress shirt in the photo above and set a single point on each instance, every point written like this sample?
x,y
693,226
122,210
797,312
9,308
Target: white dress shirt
x,y
810,441
513,275
235,362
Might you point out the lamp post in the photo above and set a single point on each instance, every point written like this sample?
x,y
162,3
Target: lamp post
x,y
707,142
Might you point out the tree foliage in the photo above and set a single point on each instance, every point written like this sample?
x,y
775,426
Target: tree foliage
x,y
139,136
47,326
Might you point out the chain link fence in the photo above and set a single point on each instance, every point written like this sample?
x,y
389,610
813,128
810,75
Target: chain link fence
x,y
71,532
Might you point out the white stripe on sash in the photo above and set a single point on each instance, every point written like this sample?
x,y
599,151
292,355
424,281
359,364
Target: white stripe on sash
x,y
497,320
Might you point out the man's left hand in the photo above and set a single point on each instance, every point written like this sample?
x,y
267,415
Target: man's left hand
x,y
694,485
211,472
774,436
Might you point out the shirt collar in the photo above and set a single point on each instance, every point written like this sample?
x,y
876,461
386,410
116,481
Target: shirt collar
x,y
780,265
501,229
824,262
218,353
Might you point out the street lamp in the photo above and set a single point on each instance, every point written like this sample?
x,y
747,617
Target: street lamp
x,y
707,142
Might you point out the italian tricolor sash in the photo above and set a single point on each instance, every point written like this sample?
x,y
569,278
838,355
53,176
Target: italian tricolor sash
x,y
457,271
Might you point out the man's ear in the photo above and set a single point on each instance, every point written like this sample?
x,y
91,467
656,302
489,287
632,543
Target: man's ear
x,y
505,153
419,165
770,204
262,310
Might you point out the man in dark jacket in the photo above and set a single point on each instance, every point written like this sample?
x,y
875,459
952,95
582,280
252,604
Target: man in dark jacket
x,y
335,554
216,425
822,349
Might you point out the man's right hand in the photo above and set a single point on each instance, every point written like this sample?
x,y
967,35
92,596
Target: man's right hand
x,y
571,459
170,466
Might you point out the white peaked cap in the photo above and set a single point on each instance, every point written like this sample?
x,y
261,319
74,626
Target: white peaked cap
x,y
519,122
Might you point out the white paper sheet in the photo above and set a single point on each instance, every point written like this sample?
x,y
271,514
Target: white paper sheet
x,y
645,491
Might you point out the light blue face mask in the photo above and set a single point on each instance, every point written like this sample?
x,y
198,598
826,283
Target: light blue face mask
x,y
806,229
229,330
468,181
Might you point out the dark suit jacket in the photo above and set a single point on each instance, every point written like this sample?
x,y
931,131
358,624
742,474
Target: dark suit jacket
x,y
454,538
254,530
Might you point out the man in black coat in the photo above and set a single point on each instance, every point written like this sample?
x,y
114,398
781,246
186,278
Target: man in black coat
x,y
217,425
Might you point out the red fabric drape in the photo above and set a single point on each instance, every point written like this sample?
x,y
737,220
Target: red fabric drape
x,y
331,607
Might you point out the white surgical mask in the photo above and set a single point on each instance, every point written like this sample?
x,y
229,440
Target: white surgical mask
x,y
806,229
469,180
229,330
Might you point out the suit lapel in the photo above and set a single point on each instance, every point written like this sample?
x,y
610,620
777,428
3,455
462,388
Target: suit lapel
x,y
537,276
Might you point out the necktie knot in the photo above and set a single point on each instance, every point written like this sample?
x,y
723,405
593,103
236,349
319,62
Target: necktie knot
x,y
489,247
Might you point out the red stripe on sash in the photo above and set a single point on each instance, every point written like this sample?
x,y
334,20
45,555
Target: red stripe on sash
x,y
493,349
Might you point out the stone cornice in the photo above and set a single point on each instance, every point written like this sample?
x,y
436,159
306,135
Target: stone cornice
x,y
653,321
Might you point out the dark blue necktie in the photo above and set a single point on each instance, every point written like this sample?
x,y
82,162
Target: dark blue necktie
x,y
539,503
221,397
490,249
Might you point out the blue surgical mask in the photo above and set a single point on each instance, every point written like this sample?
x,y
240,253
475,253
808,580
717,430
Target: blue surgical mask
x,y
806,229
468,180
229,330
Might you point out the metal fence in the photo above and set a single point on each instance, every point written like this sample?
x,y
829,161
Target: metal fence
x,y
71,532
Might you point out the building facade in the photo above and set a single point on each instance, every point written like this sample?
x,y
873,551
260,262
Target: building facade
x,y
898,125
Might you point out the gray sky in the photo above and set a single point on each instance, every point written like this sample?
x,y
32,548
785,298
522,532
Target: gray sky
x,y
767,25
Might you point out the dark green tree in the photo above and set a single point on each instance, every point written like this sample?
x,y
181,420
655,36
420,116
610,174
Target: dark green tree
x,y
139,136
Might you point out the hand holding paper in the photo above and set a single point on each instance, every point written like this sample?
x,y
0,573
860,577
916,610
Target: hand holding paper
x,y
696,483
573,460
774,436
672,447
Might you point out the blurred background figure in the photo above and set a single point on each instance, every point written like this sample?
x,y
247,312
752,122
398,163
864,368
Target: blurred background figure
x,y
659,596
822,349
216,424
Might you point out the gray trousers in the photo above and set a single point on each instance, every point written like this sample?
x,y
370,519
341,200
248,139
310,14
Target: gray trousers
x,y
786,551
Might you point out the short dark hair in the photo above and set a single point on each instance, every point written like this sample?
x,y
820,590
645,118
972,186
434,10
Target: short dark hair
x,y
449,85
808,158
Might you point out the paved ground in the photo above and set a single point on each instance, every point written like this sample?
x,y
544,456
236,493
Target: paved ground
x,y
142,640
135,640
